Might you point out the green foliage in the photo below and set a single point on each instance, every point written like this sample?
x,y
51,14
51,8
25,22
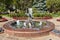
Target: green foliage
x,y
20,14
19,4
2,8
23,4
17,15
57,14
53,5
36,15
35,10
42,15
6,2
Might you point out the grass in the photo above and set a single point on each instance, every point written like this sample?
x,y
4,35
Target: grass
x,y
6,15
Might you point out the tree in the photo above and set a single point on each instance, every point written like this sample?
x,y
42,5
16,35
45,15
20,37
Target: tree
x,y
53,5
19,4
7,3
23,4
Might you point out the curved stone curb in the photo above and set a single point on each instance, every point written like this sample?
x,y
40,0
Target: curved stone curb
x,y
55,32
27,32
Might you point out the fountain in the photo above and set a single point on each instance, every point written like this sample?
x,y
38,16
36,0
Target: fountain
x,y
18,23
29,27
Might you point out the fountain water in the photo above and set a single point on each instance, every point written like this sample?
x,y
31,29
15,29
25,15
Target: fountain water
x,y
18,22
28,28
40,23
30,17
29,23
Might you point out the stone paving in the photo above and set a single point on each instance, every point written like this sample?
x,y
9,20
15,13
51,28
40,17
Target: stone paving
x,y
57,23
5,36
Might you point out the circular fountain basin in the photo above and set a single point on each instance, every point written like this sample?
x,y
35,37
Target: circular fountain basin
x,y
27,32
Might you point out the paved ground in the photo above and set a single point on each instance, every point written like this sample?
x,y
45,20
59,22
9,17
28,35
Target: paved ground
x,y
5,36
57,23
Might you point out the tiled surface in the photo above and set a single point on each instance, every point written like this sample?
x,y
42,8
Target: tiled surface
x,y
7,37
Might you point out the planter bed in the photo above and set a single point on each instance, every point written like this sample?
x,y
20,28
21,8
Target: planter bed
x,y
25,18
20,18
58,19
3,20
43,18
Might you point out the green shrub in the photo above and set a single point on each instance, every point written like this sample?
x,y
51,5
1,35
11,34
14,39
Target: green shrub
x,y
42,15
2,8
47,15
53,5
17,15
36,14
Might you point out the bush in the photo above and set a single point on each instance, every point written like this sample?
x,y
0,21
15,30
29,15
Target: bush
x,y
42,15
53,5
2,8
20,14
57,14
36,14
17,15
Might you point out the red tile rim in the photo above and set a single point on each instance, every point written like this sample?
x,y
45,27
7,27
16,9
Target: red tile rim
x,y
5,26
24,18
28,33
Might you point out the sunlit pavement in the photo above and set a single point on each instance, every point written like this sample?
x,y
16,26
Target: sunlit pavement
x,y
5,36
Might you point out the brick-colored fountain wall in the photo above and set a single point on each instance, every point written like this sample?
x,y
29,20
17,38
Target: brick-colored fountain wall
x,y
33,33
